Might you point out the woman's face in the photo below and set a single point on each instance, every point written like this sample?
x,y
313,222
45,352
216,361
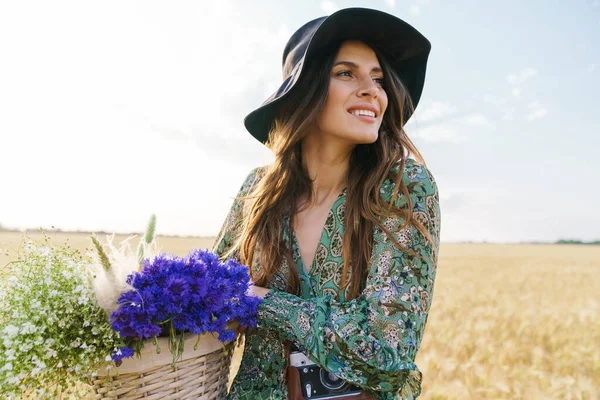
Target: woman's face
x,y
356,101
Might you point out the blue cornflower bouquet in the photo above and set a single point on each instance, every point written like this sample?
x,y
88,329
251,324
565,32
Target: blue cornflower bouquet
x,y
172,295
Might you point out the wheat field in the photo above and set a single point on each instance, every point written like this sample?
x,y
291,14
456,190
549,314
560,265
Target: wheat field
x,y
507,321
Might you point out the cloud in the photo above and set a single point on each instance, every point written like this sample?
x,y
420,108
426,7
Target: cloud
x,y
508,114
514,105
390,3
415,9
478,120
521,76
495,100
329,6
592,67
440,134
442,122
435,110
536,111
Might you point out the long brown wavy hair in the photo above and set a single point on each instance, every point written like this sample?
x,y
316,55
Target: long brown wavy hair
x,y
285,183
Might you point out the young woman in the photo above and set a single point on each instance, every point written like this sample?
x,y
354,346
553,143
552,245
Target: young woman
x,y
341,233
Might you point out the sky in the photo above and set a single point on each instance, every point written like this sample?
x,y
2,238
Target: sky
x,y
111,111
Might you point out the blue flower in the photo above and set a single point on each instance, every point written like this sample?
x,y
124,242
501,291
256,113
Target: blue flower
x,y
123,352
176,291
227,336
198,289
213,300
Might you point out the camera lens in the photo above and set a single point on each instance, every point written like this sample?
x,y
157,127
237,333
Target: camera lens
x,y
332,382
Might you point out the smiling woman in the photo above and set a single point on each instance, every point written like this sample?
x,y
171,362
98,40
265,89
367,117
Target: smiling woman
x,y
346,116
341,233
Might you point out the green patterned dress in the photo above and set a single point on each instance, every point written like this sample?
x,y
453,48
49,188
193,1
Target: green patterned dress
x,y
371,340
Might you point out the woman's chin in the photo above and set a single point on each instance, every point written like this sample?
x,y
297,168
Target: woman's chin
x,y
357,138
366,138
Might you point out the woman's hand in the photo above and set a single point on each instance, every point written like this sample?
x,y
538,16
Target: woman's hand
x,y
253,290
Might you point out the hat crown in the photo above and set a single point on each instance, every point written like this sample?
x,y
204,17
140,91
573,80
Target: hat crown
x,y
297,44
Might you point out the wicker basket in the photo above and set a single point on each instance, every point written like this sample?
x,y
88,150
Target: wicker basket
x,y
198,374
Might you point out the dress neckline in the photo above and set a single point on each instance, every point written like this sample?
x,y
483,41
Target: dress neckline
x,y
295,246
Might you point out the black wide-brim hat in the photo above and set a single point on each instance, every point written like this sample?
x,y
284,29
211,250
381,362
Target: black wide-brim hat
x,y
404,48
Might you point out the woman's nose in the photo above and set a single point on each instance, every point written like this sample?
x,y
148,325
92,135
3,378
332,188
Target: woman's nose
x,y
368,87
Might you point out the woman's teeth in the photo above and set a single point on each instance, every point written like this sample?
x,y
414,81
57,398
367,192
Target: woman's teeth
x,y
363,112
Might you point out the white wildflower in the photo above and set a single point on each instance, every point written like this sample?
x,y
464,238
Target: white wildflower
x,y
28,327
9,354
50,310
11,331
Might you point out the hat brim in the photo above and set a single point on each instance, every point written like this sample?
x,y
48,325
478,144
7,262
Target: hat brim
x,y
405,49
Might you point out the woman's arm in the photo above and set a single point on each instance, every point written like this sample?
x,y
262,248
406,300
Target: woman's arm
x,y
233,222
372,341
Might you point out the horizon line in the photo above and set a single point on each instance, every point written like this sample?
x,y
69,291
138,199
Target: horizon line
x,y
470,241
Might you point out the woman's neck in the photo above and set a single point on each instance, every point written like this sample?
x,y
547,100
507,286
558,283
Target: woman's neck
x,y
327,164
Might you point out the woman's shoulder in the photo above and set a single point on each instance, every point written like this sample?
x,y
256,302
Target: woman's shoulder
x,y
253,177
412,171
416,176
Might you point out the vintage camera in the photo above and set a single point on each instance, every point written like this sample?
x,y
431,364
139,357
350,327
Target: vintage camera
x,y
316,383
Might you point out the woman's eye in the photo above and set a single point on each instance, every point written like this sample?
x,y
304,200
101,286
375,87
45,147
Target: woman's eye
x,y
348,73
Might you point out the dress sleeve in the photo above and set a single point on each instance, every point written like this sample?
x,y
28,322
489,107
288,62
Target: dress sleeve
x,y
233,222
372,340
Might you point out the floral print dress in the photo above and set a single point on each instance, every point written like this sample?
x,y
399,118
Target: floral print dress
x,y
370,341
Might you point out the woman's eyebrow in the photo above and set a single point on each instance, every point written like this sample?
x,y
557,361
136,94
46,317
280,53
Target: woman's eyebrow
x,y
355,66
